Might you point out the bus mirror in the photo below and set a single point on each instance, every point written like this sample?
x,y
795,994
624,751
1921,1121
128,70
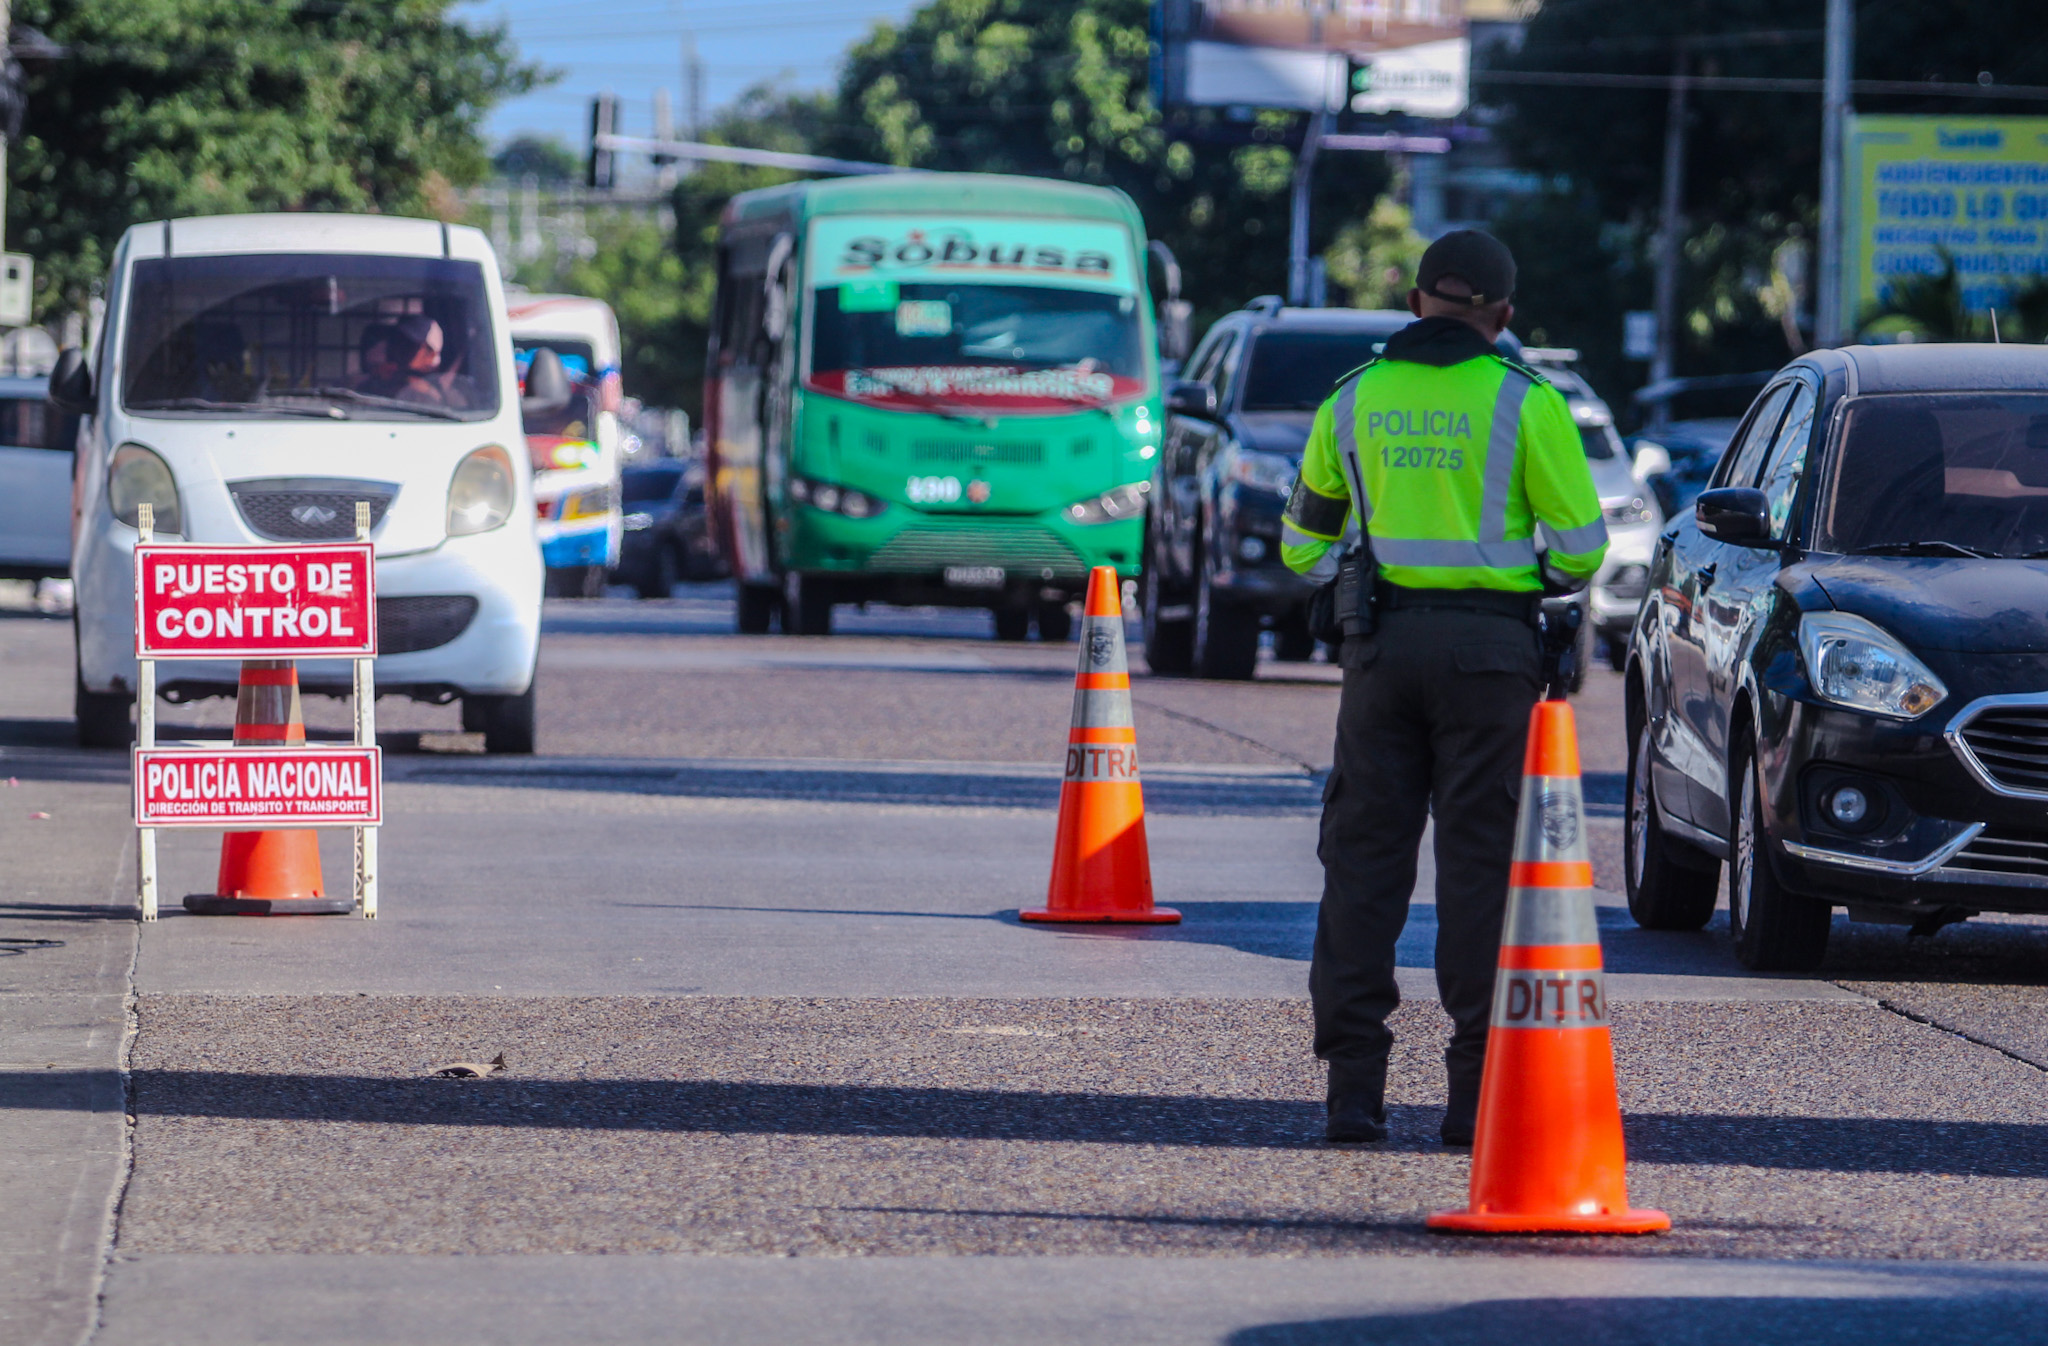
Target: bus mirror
x,y
775,306
1176,325
547,385
71,382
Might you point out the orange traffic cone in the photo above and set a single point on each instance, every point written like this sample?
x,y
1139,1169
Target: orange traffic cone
x,y
1547,1157
1101,870
269,873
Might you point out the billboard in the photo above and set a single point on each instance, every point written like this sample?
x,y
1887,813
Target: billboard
x,y
1409,56
1973,188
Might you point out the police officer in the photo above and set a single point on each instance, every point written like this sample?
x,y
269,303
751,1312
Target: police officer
x,y
1455,460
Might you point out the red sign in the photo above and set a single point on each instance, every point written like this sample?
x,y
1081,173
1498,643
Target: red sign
x,y
255,602
259,787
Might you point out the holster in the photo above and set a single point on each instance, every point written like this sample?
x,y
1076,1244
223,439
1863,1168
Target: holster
x,y
1344,606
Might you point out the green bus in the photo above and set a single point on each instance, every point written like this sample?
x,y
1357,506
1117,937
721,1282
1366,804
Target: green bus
x,y
930,388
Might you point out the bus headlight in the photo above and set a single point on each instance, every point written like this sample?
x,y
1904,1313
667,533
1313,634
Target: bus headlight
x,y
480,497
843,500
137,477
1125,502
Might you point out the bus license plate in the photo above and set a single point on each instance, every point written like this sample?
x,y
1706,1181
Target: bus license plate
x,y
974,577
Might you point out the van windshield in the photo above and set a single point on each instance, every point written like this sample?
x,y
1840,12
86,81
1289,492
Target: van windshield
x,y
1956,472
340,336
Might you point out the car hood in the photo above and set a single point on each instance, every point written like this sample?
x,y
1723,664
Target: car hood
x,y
1615,480
1943,603
1282,432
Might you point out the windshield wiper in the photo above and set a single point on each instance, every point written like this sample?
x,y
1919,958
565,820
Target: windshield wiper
x,y
1936,548
374,400
209,404
951,411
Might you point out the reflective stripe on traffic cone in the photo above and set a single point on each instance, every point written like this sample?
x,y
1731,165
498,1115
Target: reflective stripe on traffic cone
x,y
273,873
1101,870
1548,1154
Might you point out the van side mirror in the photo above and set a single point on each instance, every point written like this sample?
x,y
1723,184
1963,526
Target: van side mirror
x,y
1740,515
1190,398
71,382
547,384
1652,460
1176,329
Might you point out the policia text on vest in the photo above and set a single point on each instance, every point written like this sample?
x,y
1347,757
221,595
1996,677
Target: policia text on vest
x,y
1456,462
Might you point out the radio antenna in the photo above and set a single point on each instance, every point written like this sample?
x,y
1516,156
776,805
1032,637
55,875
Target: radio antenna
x,y
1996,339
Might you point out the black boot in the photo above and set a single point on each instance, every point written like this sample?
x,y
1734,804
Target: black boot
x,y
1356,1104
1461,1118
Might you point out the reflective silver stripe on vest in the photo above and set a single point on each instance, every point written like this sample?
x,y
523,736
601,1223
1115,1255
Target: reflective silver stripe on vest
x,y
1508,555
1344,419
1290,536
1576,541
1502,443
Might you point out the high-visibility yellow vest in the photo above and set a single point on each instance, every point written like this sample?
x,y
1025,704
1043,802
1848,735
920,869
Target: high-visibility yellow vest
x,y
1452,471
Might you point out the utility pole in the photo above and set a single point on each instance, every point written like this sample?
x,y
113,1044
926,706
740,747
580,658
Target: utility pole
x,y
6,39
1670,239
1297,231
1829,321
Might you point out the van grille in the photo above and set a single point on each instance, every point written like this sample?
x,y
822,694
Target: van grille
x,y
1026,453
1020,547
309,509
2005,851
422,621
2011,744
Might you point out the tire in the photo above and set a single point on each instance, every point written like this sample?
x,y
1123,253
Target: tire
x,y
1012,623
758,604
1055,623
1293,642
1775,930
1226,635
1615,644
806,605
658,580
1671,886
1169,645
102,717
506,722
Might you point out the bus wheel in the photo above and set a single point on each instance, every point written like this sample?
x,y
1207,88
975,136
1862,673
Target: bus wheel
x,y
1055,623
757,607
806,605
1012,623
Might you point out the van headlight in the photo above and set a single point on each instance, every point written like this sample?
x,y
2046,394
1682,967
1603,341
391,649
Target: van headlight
x,y
1125,502
1857,663
137,477
480,497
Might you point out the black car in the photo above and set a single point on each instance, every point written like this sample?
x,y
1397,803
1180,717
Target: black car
x,y
1838,681
1694,449
667,537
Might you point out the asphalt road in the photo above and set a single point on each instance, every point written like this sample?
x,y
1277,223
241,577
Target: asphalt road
x,y
782,1065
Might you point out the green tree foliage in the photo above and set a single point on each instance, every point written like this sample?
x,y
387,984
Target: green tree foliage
x,y
545,157
1374,259
190,107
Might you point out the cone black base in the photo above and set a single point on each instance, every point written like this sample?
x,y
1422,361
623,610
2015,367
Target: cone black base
x,y
213,904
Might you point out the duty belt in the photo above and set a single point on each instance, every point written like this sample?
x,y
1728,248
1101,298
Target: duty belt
x,y
1523,607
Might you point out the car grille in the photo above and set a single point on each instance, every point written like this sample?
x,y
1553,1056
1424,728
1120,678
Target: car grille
x,y
1028,453
1021,547
422,622
2005,851
309,509
2011,744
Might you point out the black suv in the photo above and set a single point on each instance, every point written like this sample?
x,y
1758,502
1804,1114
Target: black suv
x,y
1838,680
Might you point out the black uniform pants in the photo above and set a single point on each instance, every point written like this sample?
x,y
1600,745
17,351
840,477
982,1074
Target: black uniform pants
x,y
1434,718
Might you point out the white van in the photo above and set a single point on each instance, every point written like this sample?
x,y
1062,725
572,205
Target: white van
x,y
256,376
576,450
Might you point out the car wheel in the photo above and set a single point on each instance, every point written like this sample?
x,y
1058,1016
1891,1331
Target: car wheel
x,y
658,580
1226,634
757,605
1055,623
1169,643
1012,623
506,722
1671,886
1775,930
1616,646
1293,642
806,605
102,717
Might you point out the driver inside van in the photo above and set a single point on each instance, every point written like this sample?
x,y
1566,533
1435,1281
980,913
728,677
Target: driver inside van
x,y
415,348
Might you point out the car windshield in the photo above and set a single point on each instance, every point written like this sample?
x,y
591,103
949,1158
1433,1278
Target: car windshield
x,y
940,344
1297,371
1969,470
1600,440
650,485
288,334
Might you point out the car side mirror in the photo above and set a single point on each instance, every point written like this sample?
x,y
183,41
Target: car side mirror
x,y
1190,398
71,382
547,385
1652,460
1739,515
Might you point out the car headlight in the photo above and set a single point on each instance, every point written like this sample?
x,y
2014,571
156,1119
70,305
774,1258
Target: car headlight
x,y
1268,471
481,495
637,522
835,499
1633,510
1857,663
137,477
1125,502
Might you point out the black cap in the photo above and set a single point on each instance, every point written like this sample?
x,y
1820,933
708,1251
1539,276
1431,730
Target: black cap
x,y
1479,259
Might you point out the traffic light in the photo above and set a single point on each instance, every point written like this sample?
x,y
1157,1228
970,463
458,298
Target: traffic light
x,y
604,121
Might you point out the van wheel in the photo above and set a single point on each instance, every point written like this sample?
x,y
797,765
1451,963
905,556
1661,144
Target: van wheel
x,y
758,604
1671,886
1775,930
1055,623
1012,623
806,605
506,722
1226,634
102,717
1169,644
